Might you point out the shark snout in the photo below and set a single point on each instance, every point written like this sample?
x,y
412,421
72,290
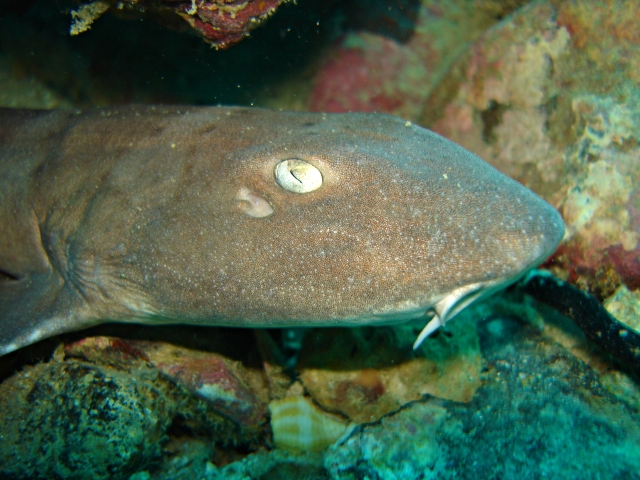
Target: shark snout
x,y
542,232
519,239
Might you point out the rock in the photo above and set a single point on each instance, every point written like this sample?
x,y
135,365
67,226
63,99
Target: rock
x,y
366,373
540,413
534,97
222,23
76,420
403,446
232,404
625,306
396,53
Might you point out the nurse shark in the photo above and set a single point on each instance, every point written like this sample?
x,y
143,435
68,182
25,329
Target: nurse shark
x,y
247,217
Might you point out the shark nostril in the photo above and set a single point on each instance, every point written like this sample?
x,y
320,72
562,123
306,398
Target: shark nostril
x,y
252,204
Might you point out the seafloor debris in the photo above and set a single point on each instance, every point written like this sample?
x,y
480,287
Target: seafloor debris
x,y
221,23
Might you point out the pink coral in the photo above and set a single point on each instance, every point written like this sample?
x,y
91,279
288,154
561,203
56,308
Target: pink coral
x,y
370,73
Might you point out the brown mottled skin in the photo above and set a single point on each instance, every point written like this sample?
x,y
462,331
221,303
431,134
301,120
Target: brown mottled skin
x,y
132,214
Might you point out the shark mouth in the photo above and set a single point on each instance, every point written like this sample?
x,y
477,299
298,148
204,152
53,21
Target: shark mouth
x,y
456,301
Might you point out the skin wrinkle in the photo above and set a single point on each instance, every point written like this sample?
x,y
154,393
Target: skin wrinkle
x,y
163,214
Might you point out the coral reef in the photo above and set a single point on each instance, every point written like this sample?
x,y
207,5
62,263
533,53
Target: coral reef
x,y
370,73
228,389
625,306
375,68
401,446
29,93
532,97
222,23
84,16
536,381
510,389
543,385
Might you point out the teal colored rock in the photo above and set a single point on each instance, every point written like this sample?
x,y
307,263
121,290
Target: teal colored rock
x,y
541,413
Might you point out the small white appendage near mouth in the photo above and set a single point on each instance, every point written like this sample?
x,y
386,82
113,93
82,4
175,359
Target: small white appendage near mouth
x,y
429,328
448,307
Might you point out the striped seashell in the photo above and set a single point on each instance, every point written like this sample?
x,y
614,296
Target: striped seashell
x,y
299,425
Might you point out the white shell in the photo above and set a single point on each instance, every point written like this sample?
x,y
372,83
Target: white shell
x,y
299,425
298,176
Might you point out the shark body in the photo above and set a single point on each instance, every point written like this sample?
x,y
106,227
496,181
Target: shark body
x,y
249,218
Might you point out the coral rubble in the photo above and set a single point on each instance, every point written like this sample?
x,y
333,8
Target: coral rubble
x,y
221,23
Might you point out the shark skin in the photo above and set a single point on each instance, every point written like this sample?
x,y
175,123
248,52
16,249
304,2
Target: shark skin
x,y
247,217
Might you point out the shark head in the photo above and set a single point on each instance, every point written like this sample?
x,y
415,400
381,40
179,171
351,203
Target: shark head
x,y
363,219
250,217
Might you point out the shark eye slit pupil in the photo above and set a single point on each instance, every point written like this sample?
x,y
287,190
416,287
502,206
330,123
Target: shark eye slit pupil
x,y
293,174
298,176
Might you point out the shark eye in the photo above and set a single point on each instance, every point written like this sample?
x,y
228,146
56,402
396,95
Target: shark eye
x,y
298,176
